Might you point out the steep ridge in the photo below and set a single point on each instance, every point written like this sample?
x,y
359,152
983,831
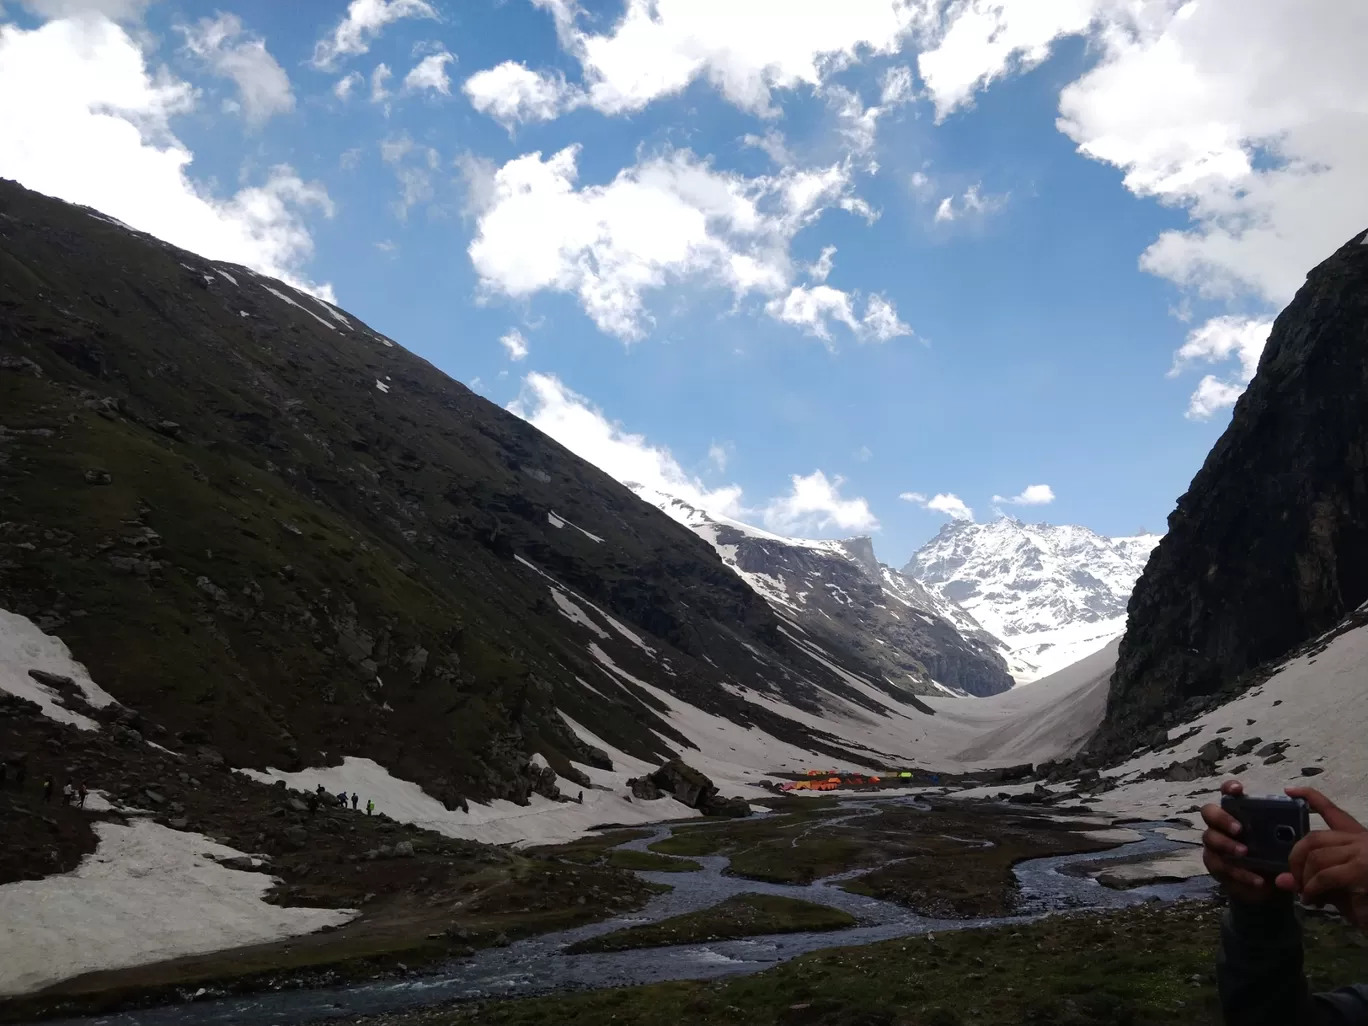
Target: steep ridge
x,y
273,531
839,593
1052,593
1269,546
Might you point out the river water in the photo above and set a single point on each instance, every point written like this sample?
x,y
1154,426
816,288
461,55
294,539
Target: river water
x,y
538,965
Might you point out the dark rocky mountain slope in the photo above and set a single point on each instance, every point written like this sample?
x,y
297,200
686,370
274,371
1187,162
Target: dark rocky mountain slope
x,y
1269,546
839,593
271,530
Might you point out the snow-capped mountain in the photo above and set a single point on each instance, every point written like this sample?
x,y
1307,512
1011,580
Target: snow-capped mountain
x,y
838,590
1052,593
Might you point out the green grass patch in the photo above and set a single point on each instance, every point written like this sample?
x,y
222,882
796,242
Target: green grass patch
x,y
746,915
1144,966
649,862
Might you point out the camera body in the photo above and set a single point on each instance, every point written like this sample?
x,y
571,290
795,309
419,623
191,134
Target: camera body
x,y
1270,828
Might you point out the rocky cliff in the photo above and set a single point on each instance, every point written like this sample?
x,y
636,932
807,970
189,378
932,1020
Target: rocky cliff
x,y
273,531
1269,546
839,594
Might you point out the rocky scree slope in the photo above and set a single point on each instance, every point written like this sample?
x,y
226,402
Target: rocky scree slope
x,y
839,595
271,530
1052,593
1269,546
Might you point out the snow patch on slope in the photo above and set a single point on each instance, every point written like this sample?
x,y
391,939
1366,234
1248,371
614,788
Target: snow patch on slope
x,y
147,893
24,647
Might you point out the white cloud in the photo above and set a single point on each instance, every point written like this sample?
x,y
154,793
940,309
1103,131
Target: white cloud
x,y
667,219
719,455
814,307
581,427
363,22
430,73
880,321
819,271
1218,340
746,50
864,454
414,167
973,202
897,86
813,505
942,502
772,144
85,120
1247,114
380,83
115,10
347,83
968,43
262,83
515,344
510,93
1031,495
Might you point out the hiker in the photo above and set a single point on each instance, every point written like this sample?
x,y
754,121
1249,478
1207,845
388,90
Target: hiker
x,y
355,798
370,806
47,789
1259,967
313,804
68,793
342,798
580,799
81,793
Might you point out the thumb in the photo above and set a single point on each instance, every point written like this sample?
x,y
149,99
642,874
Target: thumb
x,y
1335,817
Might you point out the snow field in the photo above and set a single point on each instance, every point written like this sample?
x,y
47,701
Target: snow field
x,y
24,647
147,893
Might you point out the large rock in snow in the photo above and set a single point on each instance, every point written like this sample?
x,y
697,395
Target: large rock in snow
x,y
1269,547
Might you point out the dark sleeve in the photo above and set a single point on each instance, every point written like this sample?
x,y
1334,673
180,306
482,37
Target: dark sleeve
x,y
1260,978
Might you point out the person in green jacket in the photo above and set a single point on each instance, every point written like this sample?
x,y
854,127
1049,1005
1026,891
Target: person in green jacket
x,y
370,806
1259,968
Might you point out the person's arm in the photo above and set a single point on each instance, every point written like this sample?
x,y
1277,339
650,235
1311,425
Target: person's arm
x,y
1260,977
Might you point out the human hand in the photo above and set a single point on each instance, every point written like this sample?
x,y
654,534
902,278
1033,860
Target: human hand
x,y
1220,849
1331,865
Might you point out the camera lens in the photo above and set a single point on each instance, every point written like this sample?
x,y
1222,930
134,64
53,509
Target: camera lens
x,y
1285,834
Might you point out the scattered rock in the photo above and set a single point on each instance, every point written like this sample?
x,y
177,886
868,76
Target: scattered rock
x,y
98,477
1312,771
645,789
1272,759
404,849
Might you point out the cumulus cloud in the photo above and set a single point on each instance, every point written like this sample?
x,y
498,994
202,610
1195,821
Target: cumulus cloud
x,y
510,93
85,120
942,502
115,10
1031,495
814,503
1217,341
814,307
514,343
379,81
223,44
972,202
668,219
580,426
346,85
430,73
1247,114
359,27
414,168
659,47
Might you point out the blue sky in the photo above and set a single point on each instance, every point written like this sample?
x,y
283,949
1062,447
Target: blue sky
x,y
1037,217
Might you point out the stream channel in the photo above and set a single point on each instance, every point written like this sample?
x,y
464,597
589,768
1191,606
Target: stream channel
x,y
538,965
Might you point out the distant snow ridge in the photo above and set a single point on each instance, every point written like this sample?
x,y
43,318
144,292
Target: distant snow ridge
x,y
1053,594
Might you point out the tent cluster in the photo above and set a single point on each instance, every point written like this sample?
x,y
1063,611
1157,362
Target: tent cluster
x,y
829,780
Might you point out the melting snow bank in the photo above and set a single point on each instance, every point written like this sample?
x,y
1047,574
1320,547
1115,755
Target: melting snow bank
x,y
24,647
541,821
147,893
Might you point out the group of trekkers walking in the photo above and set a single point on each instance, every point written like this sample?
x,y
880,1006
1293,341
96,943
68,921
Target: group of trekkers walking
x,y
17,769
321,796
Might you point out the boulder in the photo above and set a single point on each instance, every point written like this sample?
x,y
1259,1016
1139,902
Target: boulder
x,y
736,808
404,850
645,789
685,783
